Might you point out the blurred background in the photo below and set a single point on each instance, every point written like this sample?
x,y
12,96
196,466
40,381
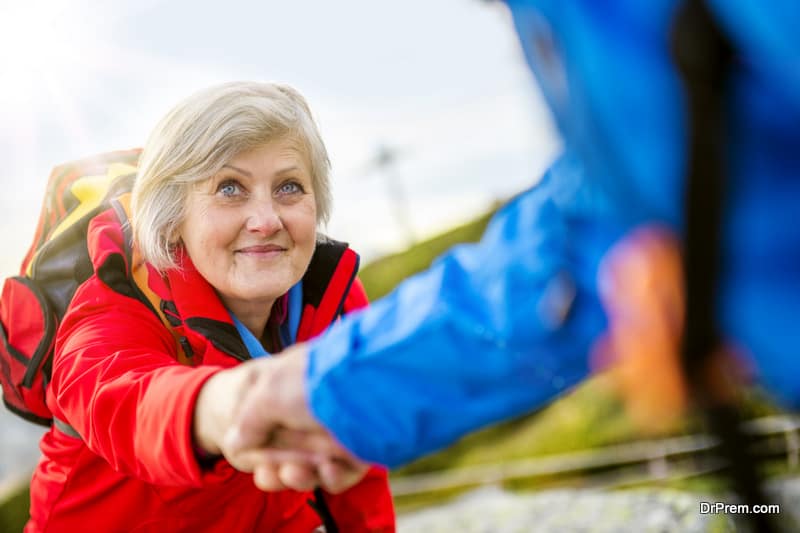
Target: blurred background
x,y
431,121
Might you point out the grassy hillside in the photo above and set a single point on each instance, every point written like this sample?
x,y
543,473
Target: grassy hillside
x,y
13,507
381,276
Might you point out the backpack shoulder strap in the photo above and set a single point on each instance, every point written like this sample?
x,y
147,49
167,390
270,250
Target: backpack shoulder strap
x,y
141,273
139,276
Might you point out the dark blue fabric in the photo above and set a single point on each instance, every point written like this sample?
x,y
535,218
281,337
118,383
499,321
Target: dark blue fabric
x,y
287,330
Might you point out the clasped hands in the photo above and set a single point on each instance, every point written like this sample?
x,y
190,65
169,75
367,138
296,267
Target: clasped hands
x,y
257,416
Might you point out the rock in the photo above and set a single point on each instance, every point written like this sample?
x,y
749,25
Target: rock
x,y
491,509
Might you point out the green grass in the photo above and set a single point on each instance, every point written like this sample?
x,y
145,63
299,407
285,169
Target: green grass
x,y
14,509
382,275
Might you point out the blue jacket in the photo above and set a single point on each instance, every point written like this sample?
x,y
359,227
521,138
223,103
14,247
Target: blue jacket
x,y
499,328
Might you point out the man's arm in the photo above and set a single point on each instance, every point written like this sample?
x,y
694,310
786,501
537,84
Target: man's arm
x,y
492,330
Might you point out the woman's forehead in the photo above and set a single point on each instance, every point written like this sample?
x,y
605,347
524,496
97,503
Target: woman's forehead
x,y
290,149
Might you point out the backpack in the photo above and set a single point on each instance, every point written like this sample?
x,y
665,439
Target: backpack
x,y
33,302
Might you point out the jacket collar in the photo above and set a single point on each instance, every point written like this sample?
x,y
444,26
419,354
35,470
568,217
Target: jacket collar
x,y
194,302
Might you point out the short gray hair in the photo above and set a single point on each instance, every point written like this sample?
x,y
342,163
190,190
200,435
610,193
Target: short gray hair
x,y
200,135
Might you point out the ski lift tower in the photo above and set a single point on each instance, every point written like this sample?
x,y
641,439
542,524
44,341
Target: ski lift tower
x,y
384,163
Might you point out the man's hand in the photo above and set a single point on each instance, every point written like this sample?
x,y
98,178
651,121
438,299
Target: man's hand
x,y
641,287
257,416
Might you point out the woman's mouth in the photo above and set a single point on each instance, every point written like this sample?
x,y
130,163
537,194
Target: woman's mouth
x,y
261,251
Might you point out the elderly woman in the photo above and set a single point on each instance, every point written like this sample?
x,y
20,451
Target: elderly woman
x,y
231,188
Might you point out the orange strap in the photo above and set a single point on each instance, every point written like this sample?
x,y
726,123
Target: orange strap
x,y
140,274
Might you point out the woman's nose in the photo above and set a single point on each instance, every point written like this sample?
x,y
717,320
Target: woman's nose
x,y
263,217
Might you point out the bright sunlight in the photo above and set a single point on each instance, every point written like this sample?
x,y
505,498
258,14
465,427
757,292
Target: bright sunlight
x,y
43,44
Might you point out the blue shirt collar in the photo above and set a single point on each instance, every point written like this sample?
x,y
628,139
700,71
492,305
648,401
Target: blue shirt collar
x,y
287,330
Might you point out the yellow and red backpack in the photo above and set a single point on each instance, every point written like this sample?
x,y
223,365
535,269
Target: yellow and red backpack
x,y
33,302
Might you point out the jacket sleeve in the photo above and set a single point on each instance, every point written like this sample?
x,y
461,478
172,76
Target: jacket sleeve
x,y
115,380
366,507
492,330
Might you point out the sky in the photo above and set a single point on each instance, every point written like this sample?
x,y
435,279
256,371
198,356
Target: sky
x,y
442,84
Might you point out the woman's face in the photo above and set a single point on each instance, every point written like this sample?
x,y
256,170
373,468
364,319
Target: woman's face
x,y
251,229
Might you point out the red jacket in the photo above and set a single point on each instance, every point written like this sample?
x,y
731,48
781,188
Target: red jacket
x,y
117,380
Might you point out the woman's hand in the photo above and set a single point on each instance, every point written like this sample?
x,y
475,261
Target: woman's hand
x,y
215,407
257,416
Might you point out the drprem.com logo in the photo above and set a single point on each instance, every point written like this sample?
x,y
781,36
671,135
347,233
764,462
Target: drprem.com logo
x,y
742,508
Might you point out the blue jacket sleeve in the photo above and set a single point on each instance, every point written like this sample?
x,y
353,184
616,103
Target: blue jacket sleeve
x,y
492,330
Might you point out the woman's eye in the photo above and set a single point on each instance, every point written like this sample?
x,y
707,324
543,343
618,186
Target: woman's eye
x,y
290,187
229,188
